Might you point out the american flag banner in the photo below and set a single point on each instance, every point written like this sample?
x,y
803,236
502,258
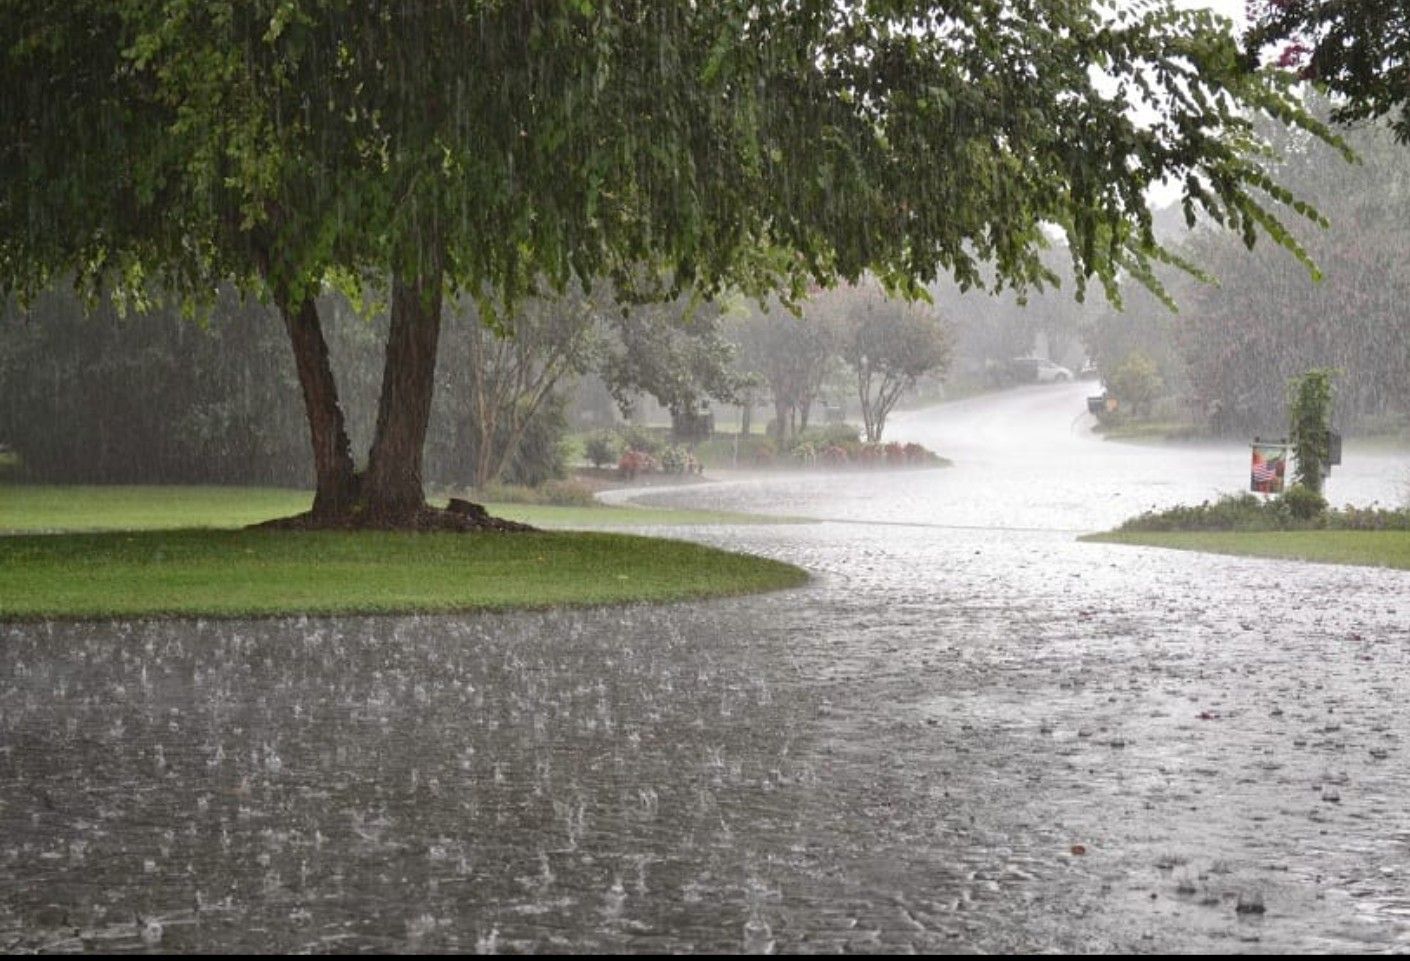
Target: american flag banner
x,y
1270,464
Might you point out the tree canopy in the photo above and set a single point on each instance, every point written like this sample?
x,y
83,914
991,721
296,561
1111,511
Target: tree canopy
x,y
887,344
1359,49
486,146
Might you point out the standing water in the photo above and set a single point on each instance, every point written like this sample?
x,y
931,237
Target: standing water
x,y
970,731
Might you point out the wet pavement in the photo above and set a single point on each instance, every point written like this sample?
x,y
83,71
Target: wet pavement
x,y
969,732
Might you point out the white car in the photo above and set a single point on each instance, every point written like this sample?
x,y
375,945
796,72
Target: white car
x,y
1031,369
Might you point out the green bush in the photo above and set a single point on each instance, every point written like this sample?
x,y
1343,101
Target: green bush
x,y
830,435
602,448
643,439
673,459
805,452
757,451
1298,509
540,456
718,451
1304,503
1135,383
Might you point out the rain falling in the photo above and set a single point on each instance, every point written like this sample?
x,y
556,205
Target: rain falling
x,y
663,477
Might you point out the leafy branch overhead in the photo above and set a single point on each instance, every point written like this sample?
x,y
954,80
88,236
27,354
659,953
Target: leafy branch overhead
x,y
561,139
1359,49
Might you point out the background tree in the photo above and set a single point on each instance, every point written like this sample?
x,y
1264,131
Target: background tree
x,y
1243,338
513,375
887,344
791,354
988,331
1359,49
675,351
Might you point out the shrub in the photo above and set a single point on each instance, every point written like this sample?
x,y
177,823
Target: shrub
x,y
603,447
635,462
673,459
717,451
919,456
1304,503
757,451
1369,519
830,434
835,456
1231,512
1135,383
805,453
1298,509
642,439
540,456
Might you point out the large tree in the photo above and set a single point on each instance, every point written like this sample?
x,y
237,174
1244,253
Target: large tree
x,y
480,145
1359,49
1262,324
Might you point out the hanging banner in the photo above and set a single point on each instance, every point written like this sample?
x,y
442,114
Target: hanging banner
x,y
1270,466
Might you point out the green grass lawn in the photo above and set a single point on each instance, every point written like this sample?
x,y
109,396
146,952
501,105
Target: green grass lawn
x,y
1152,432
1370,548
46,509
243,573
100,552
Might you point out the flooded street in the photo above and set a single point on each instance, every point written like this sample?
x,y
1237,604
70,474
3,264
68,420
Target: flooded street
x,y
969,732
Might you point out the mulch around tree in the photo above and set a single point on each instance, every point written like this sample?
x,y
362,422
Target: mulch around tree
x,y
459,516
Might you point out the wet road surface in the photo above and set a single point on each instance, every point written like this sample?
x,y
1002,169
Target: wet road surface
x,y
970,732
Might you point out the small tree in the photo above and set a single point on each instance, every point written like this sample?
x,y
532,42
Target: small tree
x,y
789,354
888,344
1135,383
1310,425
516,376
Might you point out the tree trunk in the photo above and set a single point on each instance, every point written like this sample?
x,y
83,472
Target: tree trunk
x,y
482,415
336,483
781,411
873,434
392,492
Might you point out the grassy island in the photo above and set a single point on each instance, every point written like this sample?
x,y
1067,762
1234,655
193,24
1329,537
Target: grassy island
x,y
1297,525
1369,548
153,552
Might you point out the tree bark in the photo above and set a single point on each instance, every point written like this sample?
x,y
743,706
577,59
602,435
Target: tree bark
x,y
336,483
481,413
392,492
782,410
